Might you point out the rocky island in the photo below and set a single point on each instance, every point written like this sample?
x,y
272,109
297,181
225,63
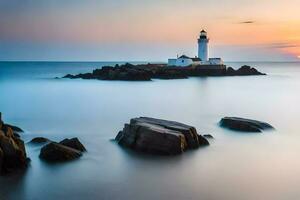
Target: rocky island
x,y
147,72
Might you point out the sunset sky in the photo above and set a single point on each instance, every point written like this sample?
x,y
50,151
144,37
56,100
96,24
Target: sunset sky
x,y
148,30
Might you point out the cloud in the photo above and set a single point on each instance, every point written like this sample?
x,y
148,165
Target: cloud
x,y
282,45
247,22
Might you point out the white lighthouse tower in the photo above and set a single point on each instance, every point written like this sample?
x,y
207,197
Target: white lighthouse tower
x,y
203,46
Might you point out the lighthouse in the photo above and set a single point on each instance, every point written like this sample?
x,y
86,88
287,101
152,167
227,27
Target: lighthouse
x,y
203,46
202,60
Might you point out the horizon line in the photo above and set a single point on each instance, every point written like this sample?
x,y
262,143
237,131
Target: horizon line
x,y
143,61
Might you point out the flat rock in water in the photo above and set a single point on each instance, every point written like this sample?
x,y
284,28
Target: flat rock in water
x,y
157,136
73,143
55,152
246,125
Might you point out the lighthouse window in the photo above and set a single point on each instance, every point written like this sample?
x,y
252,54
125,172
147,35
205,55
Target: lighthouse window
x,y
182,61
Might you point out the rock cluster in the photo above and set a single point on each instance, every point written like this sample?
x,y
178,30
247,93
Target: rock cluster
x,y
147,72
12,149
157,136
245,70
246,125
66,150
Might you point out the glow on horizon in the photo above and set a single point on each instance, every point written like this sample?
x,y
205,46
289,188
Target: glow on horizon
x,y
238,29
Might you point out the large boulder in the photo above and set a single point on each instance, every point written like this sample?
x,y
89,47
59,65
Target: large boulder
x,y
157,136
55,152
73,143
12,150
246,125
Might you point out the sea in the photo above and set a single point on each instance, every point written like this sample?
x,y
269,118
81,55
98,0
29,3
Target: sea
x,y
235,166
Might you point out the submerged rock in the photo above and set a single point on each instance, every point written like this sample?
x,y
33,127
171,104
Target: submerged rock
x,y
246,125
39,140
12,149
55,152
157,136
73,143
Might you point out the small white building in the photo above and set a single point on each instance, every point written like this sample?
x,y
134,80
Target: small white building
x,y
184,61
203,55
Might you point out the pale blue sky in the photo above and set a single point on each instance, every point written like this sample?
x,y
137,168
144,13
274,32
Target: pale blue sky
x,y
147,30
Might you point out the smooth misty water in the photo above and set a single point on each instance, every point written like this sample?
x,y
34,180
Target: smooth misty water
x,y
235,166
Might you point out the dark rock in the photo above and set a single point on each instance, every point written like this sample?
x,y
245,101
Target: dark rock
x,y
241,124
230,71
73,143
39,140
208,136
55,152
1,160
243,71
12,149
17,135
69,76
158,136
202,140
14,128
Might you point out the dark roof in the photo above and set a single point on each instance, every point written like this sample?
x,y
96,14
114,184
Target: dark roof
x,y
203,31
184,56
196,59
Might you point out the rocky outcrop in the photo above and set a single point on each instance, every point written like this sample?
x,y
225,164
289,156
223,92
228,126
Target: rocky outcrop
x,y
65,150
55,152
156,136
73,143
147,72
243,71
246,125
12,150
39,140
14,128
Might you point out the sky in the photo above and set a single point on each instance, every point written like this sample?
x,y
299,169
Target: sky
x,y
148,30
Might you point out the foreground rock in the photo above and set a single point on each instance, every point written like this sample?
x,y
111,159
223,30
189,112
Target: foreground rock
x,y
12,150
246,125
73,143
55,152
147,72
158,136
